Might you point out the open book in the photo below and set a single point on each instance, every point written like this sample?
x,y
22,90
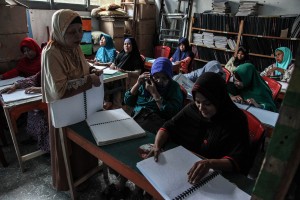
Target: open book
x,y
10,81
19,94
77,108
110,126
186,83
169,177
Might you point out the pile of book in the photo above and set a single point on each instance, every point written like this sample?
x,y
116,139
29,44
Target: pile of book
x,y
208,39
198,38
248,8
220,42
220,7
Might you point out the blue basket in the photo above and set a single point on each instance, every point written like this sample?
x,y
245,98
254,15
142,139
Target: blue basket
x,y
87,37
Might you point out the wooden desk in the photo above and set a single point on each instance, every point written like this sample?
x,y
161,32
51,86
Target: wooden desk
x,y
12,111
113,77
123,156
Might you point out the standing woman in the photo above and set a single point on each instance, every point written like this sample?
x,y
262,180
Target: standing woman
x,y
283,68
65,73
30,64
183,55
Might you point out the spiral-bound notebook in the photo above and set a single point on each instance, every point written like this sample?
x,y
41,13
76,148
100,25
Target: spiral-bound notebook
x,y
169,177
111,126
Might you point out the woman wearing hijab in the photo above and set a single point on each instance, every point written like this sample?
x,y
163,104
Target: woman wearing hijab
x,y
66,73
129,61
212,126
251,88
157,93
240,58
283,68
107,53
183,55
30,64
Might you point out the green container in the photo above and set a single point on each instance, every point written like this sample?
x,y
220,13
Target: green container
x,y
87,49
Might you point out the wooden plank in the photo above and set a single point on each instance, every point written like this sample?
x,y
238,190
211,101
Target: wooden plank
x,y
283,154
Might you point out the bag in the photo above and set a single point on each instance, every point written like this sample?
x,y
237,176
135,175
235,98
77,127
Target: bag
x,y
149,120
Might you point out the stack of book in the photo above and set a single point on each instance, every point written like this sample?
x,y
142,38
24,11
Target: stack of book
x,y
220,42
198,38
220,7
248,8
208,39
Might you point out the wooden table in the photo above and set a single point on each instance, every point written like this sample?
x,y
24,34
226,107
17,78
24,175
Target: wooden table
x,y
12,111
123,156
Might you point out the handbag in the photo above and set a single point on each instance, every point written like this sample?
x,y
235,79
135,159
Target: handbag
x,y
149,120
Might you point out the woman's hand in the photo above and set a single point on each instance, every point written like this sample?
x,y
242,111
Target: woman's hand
x,y
95,80
270,71
143,77
9,89
251,101
32,90
150,86
113,66
198,170
237,99
155,151
98,72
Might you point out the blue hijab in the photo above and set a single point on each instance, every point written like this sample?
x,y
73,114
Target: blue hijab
x,y
180,55
286,61
108,52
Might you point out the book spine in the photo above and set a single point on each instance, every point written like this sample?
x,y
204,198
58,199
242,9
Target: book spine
x,y
192,189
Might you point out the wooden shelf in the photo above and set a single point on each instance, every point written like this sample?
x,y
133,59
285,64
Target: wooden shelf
x,y
269,37
201,60
227,50
214,31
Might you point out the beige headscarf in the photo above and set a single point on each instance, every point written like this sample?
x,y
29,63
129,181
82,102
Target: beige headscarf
x,y
59,64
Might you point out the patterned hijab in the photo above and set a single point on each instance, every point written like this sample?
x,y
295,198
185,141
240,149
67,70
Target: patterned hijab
x,y
106,53
180,55
254,86
287,59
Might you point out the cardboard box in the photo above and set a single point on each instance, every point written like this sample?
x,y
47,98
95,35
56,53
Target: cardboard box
x,y
145,27
10,46
114,28
119,43
13,20
145,41
144,11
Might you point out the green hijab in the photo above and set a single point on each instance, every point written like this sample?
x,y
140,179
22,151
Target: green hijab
x,y
254,86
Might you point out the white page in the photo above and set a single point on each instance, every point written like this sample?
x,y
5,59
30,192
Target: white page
x,y
169,176
186,83
109,71
71,110
19,94
10,81
111,126
265,116
100,67
284,85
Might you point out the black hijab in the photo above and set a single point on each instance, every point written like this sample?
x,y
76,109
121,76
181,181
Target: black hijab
x,y
130,61
213,87
238,62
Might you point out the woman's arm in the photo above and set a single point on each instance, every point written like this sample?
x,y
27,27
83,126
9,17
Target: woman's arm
x,y
160,139
229,65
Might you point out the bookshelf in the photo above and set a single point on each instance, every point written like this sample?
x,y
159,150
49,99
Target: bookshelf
x,y
260,35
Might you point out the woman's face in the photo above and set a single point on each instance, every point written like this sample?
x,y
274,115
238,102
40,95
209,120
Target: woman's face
x,y
205,107
102,41
160,79
73,35
279,56
239,84
29,53
182,47
240,55
127,46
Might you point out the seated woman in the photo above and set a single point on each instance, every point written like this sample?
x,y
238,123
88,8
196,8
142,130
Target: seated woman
x,y
157,93
37,125
240,58
128,61
250,88
107,53
211,66
183,55
212,126
30,64
283,68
